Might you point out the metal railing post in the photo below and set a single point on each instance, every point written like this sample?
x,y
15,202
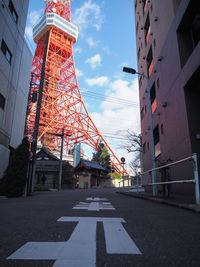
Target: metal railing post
x,y
196,178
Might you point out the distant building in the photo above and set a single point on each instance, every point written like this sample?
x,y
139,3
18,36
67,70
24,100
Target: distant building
x,y
15,68
168,52
88,174
47,171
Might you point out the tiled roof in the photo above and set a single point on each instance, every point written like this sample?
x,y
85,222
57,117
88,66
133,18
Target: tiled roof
x,y
90,164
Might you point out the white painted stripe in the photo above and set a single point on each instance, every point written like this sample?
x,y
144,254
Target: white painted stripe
x,y
81,247
94,206
90,219
96,199
80,208
117,239
73,263
38,250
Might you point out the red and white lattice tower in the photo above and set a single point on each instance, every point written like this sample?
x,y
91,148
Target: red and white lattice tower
x,y
62,106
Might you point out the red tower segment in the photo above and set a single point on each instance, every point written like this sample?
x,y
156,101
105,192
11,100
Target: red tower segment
x,y
62,104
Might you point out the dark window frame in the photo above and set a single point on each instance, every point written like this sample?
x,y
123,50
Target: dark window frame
x,y
188,32
153,98
147,29
142,113
13,11
6,51
156,135
2,101
149,61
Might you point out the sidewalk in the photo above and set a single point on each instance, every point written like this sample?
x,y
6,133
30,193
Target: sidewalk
x,y
180,201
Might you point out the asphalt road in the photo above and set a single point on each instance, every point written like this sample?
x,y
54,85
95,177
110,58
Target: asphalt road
x,y
165,236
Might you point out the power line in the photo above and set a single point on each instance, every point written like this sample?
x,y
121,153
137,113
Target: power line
x,y
118,101
126,101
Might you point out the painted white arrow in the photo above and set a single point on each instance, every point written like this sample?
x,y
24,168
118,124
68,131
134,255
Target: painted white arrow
x,y
80,249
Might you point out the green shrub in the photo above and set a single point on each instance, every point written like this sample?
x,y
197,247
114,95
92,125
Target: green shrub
x,y
115,175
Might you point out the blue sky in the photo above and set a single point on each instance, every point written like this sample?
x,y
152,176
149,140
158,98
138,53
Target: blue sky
x,y
105,44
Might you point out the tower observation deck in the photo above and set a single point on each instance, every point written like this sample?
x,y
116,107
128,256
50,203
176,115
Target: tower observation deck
x,y
54,85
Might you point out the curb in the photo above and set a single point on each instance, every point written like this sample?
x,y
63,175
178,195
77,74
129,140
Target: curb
x,y
190,207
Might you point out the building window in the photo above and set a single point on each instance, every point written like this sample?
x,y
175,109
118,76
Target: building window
x,y
13,11
135,4
158,83
154,43
2,101
142,113
6,51
147,29
144,148
162,129
188,32
140,82
156,138
145,4
153,98
150,63
137,27
138,54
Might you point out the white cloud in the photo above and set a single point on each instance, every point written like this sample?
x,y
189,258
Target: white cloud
x,y
32,19
88,15
106,49
28,32
34,16
100,81
94,61
78,50
115,117
79,73
91,42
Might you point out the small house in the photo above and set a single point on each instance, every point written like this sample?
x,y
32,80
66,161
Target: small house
x,y
88,174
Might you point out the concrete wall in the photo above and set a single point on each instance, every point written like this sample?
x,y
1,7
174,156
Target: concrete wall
x,y
85,181
14,76
115,183
4,157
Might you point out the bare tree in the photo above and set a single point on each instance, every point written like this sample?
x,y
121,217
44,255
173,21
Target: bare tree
x,y
134,145
135,164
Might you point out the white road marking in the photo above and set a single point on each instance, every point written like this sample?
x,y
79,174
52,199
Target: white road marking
x,y
118,240
80,249
94,206
96,199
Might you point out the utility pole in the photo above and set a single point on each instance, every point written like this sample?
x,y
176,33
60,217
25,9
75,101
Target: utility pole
x,y
37,117
60,165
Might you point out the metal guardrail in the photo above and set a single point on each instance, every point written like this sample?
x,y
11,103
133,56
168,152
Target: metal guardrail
x,y
195,171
